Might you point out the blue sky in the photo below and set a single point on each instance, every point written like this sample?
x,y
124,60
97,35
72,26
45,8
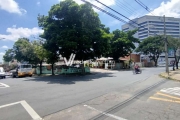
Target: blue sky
x,y
18,18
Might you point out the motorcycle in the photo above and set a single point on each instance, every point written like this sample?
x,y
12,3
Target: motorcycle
x,y
139,71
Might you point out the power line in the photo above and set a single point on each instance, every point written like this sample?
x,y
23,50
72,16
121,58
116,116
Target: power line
x,y
116,12
132,7
121,15
129,4
108,13
126,6
144,6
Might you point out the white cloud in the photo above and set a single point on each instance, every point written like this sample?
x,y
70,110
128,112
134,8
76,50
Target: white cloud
x,y
38,3
113,23
106,2
4,47
1,53
12,7
170,9
15,33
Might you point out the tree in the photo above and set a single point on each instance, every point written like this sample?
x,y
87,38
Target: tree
x,y
23,51
72,28
40,53
9,55
122,44
174,43
152,46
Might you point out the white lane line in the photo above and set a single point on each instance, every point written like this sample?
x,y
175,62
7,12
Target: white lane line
x,y
4,85
7,105
27,107
31,112
107,114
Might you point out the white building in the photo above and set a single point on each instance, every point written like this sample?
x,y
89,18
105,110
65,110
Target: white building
x,y
154,25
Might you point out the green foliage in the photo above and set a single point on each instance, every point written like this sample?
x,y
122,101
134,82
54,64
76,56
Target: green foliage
x,y
9,55
72,28
23,50
174,43
152,46
39,51
122,44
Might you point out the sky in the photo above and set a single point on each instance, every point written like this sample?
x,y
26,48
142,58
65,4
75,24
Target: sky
x,y
18,18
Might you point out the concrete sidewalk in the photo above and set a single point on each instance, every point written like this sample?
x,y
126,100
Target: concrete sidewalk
x,y
173,75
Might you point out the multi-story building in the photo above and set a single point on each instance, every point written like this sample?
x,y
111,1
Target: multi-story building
x,y
154,25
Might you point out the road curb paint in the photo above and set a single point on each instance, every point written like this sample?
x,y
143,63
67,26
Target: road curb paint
x,y
27,107
2,85
107,114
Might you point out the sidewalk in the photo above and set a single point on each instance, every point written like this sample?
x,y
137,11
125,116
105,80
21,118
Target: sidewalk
x,y
102,70
173,75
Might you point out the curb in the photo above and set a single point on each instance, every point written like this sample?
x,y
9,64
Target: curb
x,y
168,77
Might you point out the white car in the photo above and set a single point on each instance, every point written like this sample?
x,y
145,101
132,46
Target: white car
x,y
162,64
2,73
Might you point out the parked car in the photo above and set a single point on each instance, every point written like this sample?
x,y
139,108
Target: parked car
x,y
162,64
2,73
8,73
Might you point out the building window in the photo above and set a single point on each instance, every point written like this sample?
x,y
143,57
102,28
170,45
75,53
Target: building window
x,y
143,36
174,23
143,29
172,26
172,32
163,29
142,23
143,33
125,29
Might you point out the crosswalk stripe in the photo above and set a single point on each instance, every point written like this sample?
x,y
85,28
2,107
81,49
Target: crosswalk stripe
x,y
168,96
166,100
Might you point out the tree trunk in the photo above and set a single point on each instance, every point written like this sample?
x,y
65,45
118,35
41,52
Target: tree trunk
x,y
155,61
52,68
40,67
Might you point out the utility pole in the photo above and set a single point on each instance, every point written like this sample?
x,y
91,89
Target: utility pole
x,y
166,50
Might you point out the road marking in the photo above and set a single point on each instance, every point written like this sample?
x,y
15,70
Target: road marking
x,y
168,96
173,91
27,107
2,85
9,104
107,114
166,100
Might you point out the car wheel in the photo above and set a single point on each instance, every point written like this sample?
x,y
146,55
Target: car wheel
x,y
17,76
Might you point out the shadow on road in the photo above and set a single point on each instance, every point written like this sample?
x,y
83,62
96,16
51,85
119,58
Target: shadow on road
x,y
70,79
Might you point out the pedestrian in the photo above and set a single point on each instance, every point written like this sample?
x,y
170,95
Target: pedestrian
x,y
173,65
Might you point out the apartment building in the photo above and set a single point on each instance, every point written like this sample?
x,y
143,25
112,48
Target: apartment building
x,y
154,25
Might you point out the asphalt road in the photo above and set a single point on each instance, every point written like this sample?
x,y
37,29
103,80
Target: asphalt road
x,y
39,97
